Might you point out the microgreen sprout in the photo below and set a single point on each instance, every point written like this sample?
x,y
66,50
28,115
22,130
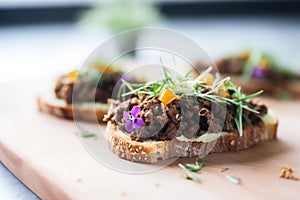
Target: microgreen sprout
x,y
184,85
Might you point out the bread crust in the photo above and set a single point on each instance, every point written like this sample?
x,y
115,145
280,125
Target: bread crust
x,y
64,110
154,151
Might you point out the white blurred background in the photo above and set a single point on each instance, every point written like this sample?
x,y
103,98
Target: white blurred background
x,y
44,38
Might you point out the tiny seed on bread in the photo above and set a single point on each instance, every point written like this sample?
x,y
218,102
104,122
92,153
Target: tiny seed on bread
x,y
232,143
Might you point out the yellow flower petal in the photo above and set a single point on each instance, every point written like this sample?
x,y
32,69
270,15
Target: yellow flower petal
x,y
222,91
166,96
208,79
73,75
264,63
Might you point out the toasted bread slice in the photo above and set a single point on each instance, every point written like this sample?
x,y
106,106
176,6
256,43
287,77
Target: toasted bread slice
x,y
154,151
89,112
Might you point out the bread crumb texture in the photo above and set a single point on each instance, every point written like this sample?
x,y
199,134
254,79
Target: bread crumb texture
x,y
287,173
223,169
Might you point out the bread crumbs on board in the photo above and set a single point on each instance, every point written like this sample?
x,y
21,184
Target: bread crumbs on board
x,y
223,169
123,194
79,180
287,173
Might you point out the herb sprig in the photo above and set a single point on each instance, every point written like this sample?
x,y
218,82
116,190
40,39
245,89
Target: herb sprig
x,y
195,167
85,133
189,168
189,175
233,179
184,85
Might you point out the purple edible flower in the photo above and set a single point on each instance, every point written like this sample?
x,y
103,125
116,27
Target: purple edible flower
x,y
259,72
132,121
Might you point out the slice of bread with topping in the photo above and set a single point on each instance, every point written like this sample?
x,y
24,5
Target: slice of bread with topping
x,y
154,151
89,112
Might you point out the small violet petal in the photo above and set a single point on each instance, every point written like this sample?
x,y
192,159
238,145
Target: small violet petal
x,y
135,111
138,122
129,126
125,115
126,77
259,72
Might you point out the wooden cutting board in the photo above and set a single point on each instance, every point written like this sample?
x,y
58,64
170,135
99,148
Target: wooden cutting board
x,y
46,155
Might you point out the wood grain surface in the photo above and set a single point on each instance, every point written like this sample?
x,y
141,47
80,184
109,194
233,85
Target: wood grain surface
x,y
46,155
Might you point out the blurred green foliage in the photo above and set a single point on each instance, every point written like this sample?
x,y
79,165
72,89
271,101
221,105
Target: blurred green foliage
x,y
121,15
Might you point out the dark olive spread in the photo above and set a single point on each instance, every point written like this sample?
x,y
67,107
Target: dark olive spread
x,y
86,90
180,117
256,65
184,107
